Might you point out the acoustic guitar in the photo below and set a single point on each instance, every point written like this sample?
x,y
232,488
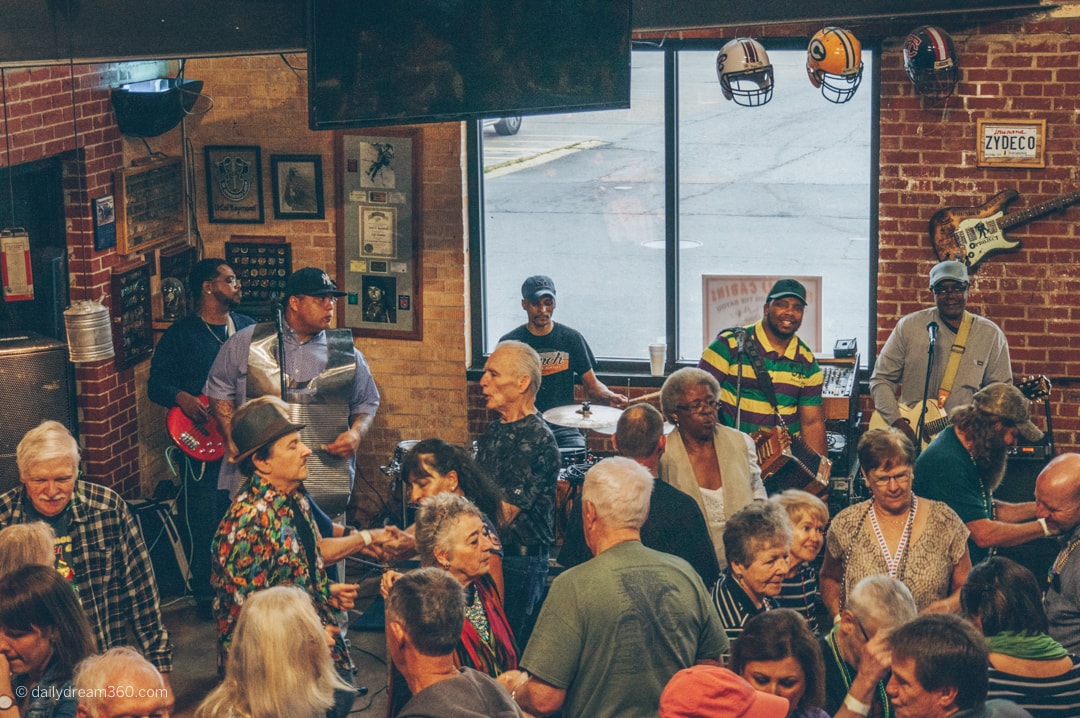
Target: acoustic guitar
x,y
203,442
971,234
1035,388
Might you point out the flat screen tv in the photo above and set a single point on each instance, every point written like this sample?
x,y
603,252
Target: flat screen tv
x,y
392,62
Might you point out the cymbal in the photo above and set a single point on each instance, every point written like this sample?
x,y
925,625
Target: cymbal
x,y
583,416
668,428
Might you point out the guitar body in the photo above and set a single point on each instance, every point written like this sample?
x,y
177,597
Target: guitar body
x,y
936,420
201,442
970,234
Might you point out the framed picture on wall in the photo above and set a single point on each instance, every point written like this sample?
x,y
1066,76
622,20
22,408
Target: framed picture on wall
x,y
234,184
297,184
379,231
104,223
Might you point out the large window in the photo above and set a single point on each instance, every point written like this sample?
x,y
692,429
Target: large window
x,y
627,210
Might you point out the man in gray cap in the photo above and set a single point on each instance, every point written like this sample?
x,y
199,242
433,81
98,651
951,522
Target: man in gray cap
x,y
563,352
966,462
980,349
325,380
796,378
268,537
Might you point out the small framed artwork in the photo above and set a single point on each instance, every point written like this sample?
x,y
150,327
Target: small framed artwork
x,y
104,223
297,184
1011,143
234,184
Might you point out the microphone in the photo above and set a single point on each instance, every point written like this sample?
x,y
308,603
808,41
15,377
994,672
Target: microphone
x,y
931,328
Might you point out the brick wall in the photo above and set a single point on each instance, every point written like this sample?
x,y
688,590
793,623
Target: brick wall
x,y
66,111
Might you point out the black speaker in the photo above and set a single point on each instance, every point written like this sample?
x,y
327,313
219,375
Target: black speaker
x,y
39,384
1018,486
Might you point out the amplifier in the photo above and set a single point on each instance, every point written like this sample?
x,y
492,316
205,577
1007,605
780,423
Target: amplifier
x,y
840,386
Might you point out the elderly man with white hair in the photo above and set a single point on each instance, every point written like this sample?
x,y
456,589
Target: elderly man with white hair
x,y
519,452
120,683
616,628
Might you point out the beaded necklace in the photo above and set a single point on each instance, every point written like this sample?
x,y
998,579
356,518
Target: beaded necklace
x,y
845,672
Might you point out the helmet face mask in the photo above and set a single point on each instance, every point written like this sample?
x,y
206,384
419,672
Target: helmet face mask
x,y
745,73
834,63
930,61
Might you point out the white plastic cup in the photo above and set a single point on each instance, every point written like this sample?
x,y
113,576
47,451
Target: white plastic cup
x,y
657,353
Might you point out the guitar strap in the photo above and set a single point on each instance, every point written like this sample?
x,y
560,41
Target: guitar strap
x,y
763,376
954,358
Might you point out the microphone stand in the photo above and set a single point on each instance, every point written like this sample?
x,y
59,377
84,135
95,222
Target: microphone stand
x,y
921,427
740,338
279,320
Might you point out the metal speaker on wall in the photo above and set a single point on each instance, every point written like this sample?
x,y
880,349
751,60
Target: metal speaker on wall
x,y
89,332
153,107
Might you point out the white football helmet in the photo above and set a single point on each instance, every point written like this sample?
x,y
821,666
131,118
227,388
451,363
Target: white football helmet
x,y
745,73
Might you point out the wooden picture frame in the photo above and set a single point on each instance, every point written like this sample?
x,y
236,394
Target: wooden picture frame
x,y
1011,143
297,186
149,207
380,257
234,184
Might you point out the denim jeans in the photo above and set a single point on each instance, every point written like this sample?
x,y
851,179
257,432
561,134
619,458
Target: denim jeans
x,y
526,582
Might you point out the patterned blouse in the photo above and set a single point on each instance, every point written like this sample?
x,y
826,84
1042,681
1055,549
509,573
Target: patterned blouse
x,y
266,539
926,566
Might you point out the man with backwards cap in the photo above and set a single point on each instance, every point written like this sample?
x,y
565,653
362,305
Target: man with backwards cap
x,y
796,376
268,536
966,462
983,355
563,352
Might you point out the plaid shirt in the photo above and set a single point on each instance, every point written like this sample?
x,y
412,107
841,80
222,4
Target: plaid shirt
x,y
260,544
113,573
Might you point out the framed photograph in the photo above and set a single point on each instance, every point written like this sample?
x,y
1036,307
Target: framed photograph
x,y
1011,143
104,223
379,231
297,184
234,184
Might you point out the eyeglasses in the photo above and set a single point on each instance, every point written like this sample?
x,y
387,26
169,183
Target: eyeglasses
x,y
701,406
943,290
41,481
901,477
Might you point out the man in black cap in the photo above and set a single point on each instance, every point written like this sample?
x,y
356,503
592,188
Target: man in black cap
x,y
268,537
979,346
326,380
795,374
563,352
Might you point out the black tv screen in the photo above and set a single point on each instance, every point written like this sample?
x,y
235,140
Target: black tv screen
x,y
391,62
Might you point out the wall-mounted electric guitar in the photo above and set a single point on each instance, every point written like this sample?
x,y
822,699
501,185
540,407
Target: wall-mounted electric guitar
x,y
970,234
1035,388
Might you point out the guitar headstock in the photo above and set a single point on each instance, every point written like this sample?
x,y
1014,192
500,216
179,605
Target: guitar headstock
x,y
1035,388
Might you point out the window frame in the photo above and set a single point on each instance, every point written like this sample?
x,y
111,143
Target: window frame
x,y
637,371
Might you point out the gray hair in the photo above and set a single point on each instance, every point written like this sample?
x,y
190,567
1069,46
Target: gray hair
x,y
117,666
435,518
47,441
429,604
674,389
526,362
22,544
620,489
757,526
276,622
882,601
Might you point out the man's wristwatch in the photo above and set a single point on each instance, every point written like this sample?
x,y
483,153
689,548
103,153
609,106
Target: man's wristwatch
x,y
6,702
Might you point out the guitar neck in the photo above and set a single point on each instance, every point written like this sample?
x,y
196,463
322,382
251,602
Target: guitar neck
x,y
935,427
1017,218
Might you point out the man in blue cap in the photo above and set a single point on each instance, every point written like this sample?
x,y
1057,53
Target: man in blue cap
x,y
563,352
795,375
981,347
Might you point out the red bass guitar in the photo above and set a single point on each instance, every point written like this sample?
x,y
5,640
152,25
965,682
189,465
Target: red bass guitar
x,y
203,442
